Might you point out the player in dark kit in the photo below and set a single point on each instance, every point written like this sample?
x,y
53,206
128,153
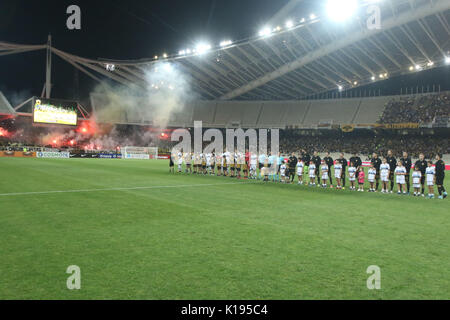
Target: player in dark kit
x,y
376,162
171,165
306,158
407,163
317,161
292,163
392,162
421,164
329,161
344,167
440,176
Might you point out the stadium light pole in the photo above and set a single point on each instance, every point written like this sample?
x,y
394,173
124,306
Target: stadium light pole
x,y
48,75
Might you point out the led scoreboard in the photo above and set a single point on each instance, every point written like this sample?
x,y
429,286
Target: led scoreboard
x,y
50,111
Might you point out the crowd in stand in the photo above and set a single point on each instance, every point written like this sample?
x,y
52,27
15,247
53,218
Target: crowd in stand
x,y
292,141
416,109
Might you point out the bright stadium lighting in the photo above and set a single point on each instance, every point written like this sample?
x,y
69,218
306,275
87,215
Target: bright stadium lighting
x,y
188,51
373,78
182,52
265,32
155,57
226,43
312,16
341,10
418,67
289,24
164,55
202,48
340,88
355,83
411,68
447,60
430,64
381,76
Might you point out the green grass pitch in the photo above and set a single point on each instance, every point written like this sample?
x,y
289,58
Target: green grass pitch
x,y
142,233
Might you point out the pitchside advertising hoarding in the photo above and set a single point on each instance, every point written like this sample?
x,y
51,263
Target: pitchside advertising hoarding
x,y
58,155
54,112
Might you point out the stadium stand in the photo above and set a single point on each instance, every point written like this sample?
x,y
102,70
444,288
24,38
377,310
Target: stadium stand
x,y
370,109
419,108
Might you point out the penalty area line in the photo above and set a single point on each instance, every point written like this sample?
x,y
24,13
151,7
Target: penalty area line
x,y
118,189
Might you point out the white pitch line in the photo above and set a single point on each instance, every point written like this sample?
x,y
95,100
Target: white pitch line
x,y
115,189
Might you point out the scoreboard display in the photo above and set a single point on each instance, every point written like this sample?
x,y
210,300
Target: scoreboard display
x,y
50,111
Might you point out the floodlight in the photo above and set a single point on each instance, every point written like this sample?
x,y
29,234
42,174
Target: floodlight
x,y
182,52
430,64
266,31
341,10
289,24
411,68
302,20
340,87
355,83
202,48
373,78
312,16
165,55
447,60
226,43
418,67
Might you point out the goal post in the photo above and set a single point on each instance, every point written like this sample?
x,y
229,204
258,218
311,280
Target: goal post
x,y
142,153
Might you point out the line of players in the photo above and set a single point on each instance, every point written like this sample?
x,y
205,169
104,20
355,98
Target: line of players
x,y
278,168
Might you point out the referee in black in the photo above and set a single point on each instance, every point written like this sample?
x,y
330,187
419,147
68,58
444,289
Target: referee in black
x,y
330,163
440,176
422,165
392,162
376,162
407,163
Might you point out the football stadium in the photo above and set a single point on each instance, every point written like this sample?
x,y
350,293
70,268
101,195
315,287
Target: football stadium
x,y
305,160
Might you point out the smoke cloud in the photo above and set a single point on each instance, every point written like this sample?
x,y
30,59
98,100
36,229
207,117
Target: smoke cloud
x,y
165,93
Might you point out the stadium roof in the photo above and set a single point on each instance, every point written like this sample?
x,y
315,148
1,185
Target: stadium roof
x,y
311,56
5,106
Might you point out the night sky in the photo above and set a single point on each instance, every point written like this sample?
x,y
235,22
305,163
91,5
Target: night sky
x,y
131,29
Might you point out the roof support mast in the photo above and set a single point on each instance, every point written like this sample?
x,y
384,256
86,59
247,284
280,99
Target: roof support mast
x,y
48,75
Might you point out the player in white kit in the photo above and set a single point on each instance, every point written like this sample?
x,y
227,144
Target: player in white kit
x,y
416,177
430,173
253,165
371,177
338,173
300,168
352,176
400,173
283,173
312,173
324,171
384,175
